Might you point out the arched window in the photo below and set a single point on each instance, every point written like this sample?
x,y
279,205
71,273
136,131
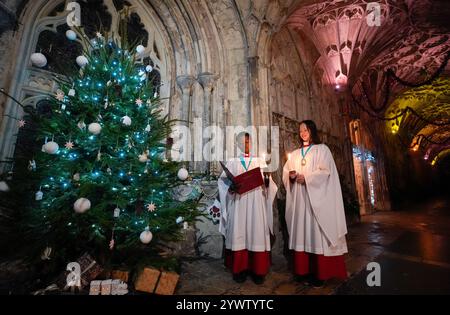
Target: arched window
x,y
45,25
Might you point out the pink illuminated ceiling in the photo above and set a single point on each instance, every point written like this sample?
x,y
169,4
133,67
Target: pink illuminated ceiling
x,y
349,46
412,38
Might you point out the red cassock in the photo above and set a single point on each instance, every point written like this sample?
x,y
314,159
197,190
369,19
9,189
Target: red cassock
x,y
243,260
323,267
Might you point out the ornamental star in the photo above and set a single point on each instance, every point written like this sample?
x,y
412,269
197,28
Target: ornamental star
x,y
81,125
69,145
151,207
60,96
22,123
99,35
139,102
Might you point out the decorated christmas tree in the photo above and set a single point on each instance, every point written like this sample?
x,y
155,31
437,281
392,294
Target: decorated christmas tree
x,y
104,180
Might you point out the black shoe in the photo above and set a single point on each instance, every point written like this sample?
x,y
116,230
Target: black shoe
x,y
305,279
258,279
240,277
316,283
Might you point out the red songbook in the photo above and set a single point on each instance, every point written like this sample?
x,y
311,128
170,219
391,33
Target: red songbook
x,y
249,180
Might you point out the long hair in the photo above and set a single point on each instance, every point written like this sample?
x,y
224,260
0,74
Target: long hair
x,y
314,134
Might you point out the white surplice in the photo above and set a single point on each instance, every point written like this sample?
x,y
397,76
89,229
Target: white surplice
x,y
315,214
246,220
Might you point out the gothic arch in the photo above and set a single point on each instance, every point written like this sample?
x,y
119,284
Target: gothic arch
x,y
199,42
28,82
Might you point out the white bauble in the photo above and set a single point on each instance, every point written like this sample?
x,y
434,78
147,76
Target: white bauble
x,y
38,60
71,35
82,61
146,236
76,177
82,205
140,49
51,147
95,128
4,186
126,120
143,158
183,174
149,68
179,220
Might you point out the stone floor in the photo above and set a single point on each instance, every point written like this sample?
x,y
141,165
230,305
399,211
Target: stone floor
x,y
412,247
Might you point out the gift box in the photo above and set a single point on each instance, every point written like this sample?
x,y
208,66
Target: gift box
x,y
88,270
106,287
146,280
118,287
120,274
167,283
95,287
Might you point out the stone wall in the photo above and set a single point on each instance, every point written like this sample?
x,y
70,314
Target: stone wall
x,y
228,62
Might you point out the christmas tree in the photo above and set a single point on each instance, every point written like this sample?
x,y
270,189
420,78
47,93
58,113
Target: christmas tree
x,y
104,181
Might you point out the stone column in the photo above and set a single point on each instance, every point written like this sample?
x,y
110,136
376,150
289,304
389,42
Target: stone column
x,y
185,83
207,81
184,112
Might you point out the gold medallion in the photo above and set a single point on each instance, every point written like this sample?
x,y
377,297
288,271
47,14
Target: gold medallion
x,y
303,162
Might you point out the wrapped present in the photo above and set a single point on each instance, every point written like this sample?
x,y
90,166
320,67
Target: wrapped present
x,y
95,287
106,287
120,274
146,280
90,269
167,283
118,287
80,273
